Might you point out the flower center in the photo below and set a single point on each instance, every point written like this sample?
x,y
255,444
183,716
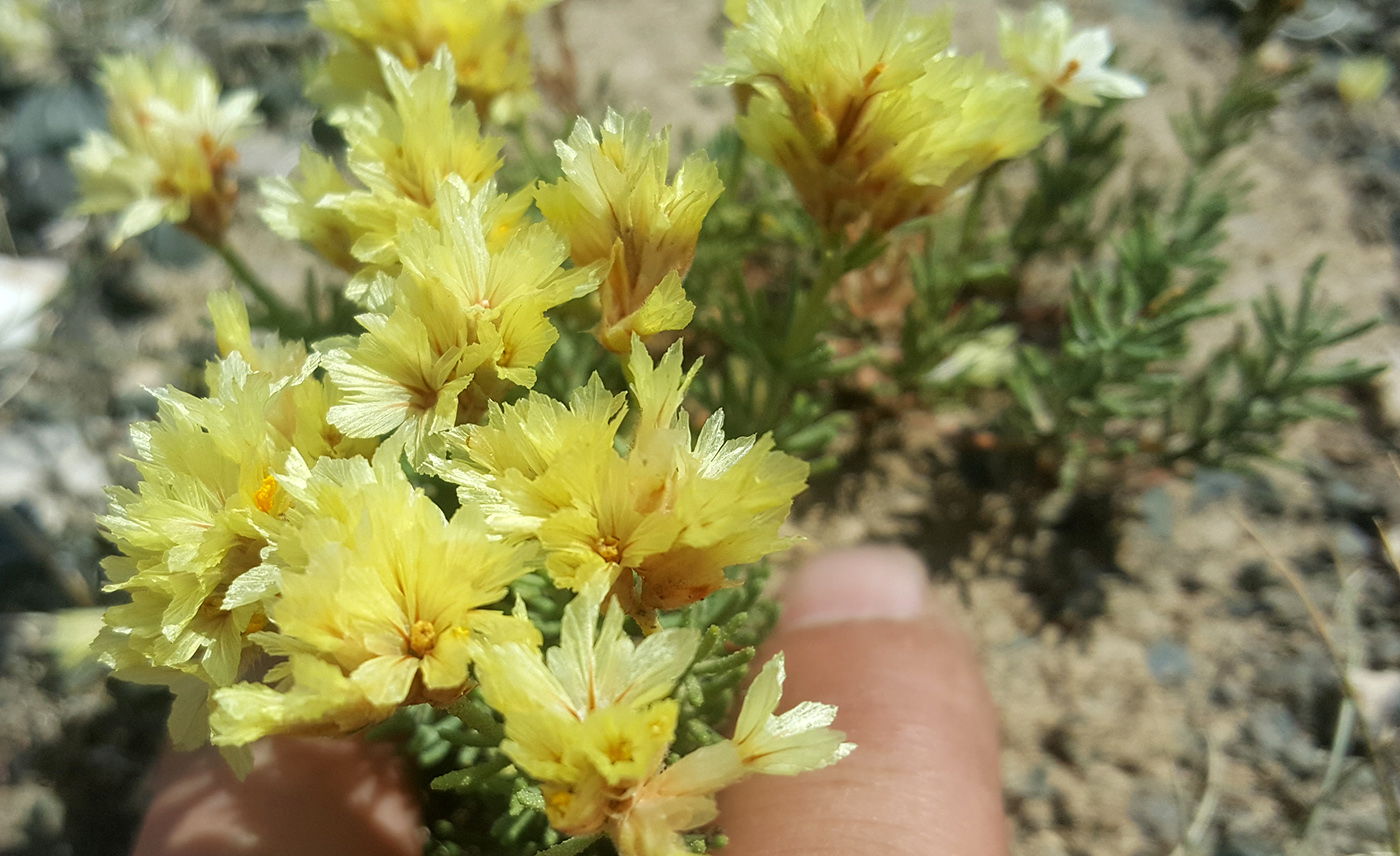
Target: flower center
x,y
620,750
609,548
266,494
1071,69
421,638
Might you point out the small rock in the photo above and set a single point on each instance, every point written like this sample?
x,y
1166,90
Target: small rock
x,y
1169,662
1315,562
27,285
1243,844
1215,485
174,247
1384,646
1274,729
50,468
29,815
1155,506
1378,695
1351,542
1154,809
1344,501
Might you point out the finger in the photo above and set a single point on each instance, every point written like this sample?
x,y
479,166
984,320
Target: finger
x,y
860,631
303,796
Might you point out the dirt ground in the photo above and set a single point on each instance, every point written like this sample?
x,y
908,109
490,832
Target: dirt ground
x,y
1161,688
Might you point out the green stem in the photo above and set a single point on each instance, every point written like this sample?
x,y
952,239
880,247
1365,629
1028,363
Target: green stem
x,y
529,153
282,317
810,317
972,214
816,311
478,719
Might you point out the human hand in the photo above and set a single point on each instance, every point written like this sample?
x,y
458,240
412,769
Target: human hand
x,y
860,630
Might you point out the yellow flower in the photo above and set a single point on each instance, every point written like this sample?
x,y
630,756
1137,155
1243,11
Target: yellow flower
x,y
320,702
592,721
400,148
1361,80
194,535
26,39
295,211
661,520
614,205
593,718
299,413
168,155
463,324
681,797
1061,65
234,334
493,70
875,121
375,581
516,473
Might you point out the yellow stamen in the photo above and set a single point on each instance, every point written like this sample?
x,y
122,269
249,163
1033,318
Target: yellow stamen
x,y
267,492
609,548
620,750
421,638
1068,74
875,71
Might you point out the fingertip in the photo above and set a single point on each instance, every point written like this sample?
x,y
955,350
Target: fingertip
x,y
302,796
862,631
863,583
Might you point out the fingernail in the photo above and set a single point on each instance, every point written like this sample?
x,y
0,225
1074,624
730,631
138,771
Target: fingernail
x,y
861,584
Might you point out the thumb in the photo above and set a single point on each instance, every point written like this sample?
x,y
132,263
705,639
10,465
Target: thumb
x,y
860,631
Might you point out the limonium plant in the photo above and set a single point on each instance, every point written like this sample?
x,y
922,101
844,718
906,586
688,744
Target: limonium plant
x,y
465,499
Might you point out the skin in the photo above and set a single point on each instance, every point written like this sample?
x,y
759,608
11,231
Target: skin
x,y
860,630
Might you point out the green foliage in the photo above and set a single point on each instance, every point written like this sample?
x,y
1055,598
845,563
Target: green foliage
x,y
1250,390
735,621
947,310
1115,385
1098,375
1126,325
769,365
1208,132
1060,212
576,357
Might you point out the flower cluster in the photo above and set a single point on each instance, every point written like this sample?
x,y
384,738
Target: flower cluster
x,y
1064,66
593,719
170,148
194,538
878,120
660,523
293,557
400,150
460,325
381,600
492,71
614,205
875,120
287,577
